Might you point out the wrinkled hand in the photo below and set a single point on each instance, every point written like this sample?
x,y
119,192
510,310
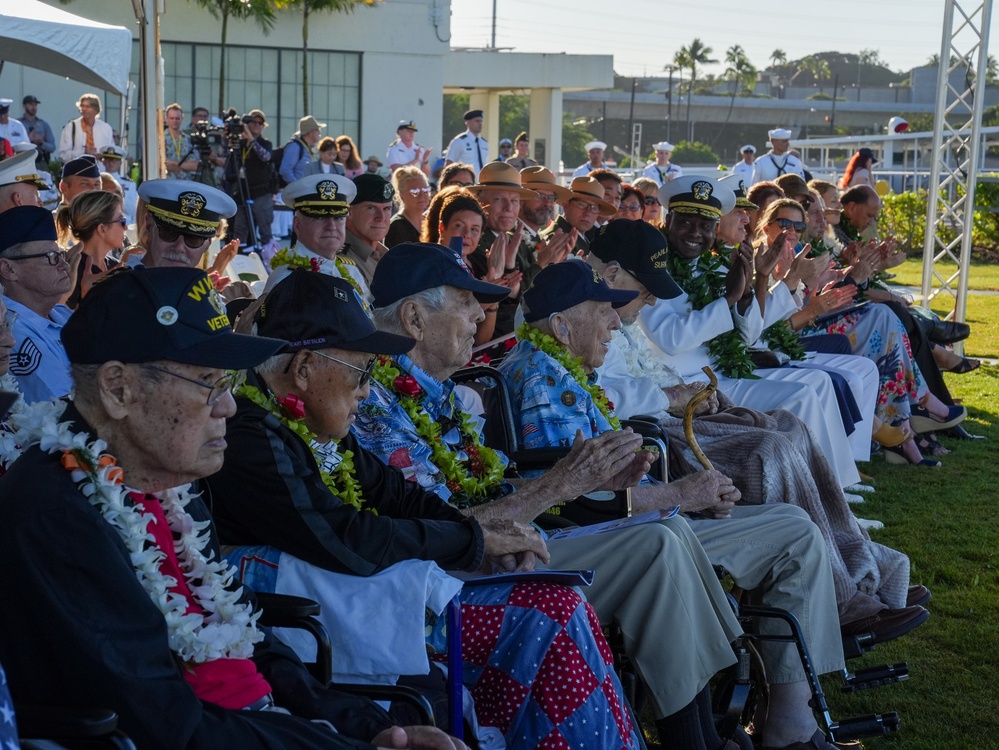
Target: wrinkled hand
x,y
556,248
511,546
416,738
709,492
679,396
609,461
224,258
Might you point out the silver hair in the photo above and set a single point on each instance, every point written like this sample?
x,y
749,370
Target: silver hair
x,y
275,365
387,318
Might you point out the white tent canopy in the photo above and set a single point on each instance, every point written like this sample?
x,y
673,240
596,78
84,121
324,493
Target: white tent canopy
x,y
40,36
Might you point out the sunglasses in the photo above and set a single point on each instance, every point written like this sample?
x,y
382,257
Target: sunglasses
x,y
797,226
170,236
120,220
416,191
365,371
651,200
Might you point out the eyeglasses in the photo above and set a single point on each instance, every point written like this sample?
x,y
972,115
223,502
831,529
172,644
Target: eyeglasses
x,y
416,191
651,200
545,197
365,371
584,206
52,256
7,324
256,122
797,226
631,207
170,236
216,390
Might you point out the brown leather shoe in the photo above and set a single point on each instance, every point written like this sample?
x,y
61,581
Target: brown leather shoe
x,y
918,594
887,624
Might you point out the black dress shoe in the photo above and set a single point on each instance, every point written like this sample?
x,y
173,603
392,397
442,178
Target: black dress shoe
x,y
887,624
949,332
918,594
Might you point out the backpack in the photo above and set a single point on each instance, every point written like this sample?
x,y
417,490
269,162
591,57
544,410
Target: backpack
x,y
277,156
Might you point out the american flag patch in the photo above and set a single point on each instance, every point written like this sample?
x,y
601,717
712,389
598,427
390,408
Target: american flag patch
x,y
530,428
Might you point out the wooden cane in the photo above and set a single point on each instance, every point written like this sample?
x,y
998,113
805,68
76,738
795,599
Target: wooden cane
x,y
688,417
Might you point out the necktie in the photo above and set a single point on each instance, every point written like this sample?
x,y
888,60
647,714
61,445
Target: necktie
x,y
478,152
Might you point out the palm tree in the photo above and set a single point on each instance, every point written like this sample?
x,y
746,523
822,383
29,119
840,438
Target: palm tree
x,y
777,57
740,72
260,11
694,54
317,6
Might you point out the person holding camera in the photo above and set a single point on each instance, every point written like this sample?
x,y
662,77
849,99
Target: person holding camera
x,y
248,180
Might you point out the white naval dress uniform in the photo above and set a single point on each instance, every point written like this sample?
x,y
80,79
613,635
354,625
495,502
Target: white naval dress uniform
x,y
682,333
470,149
745,171
13,130
399,153
662,175
584,169
770,167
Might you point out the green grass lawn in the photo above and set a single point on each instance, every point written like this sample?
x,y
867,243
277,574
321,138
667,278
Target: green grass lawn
x,y
981,275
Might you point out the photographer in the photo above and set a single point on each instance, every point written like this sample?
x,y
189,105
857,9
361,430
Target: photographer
x,y
251,158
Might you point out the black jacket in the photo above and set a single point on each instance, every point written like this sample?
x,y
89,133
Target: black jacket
x,y
77,629
269,492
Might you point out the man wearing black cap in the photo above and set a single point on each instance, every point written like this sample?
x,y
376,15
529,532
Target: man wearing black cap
x,y
775,549
103,539
368,223
469,147
78,176
404,151
39,132
35,276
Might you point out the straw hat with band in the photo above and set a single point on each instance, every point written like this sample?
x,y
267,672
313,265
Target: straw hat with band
x,y
540,178
498,175
588,189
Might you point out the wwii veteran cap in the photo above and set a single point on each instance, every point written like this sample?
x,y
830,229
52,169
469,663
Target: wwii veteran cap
x,y
21,169
560,286
146,314
81,166
372,188
320,195
700,196
640,249
314,311
738,185
188,207
26,224
413,267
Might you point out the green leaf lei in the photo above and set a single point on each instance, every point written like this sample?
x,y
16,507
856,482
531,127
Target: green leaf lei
x,y
287,257
574,366
342,482
471,483
704,282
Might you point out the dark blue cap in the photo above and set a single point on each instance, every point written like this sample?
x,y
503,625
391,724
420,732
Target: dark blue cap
x,y
563,285
26,224
640,249
414,267
148,314
311,310
81,166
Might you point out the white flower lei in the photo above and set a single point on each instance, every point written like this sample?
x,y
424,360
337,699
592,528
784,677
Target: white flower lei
x,y
9,450
228,628
641,361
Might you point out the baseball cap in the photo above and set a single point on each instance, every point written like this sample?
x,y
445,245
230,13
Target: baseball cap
x,y
564,285
413,267
26,224
640,249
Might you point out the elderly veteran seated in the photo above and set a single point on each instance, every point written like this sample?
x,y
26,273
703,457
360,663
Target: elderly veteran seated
x,y
570,317
415,419
318,230
581,209
297,482
181,220
35,277
111,555
20,182
771,457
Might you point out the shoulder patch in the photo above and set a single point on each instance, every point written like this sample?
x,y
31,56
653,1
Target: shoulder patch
x,y
26,359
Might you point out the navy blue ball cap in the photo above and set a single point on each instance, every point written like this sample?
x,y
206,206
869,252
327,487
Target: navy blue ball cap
x,y
26,224
314,311
413,267
640,249
81,166
564,285
149,314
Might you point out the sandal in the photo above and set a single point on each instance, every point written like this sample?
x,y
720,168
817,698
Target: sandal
x,y
929,445
965,365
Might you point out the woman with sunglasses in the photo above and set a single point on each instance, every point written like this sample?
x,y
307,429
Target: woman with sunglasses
x,y
97,220
876,333
412,190
652,209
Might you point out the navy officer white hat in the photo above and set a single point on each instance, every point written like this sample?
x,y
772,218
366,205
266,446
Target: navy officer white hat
x,y
186,206
320,195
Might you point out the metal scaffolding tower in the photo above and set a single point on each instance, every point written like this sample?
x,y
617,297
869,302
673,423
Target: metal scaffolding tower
x,y
960,95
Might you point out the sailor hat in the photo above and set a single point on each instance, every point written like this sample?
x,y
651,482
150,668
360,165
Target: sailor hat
x,y
663,146
595,144
780,134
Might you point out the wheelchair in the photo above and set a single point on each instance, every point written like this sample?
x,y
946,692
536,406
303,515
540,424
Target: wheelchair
x,y
740,692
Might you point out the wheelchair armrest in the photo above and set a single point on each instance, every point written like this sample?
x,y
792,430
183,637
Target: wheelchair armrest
x,y
285,607
398,693
63,723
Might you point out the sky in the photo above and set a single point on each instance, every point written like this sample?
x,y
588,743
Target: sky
x,y
643,35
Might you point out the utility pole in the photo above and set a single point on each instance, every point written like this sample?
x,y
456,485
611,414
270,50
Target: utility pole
x,y
493,44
